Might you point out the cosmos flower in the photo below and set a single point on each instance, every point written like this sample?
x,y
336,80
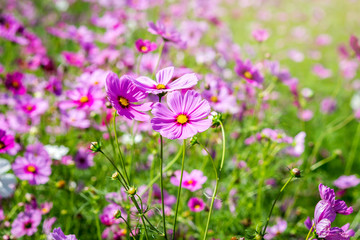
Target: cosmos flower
x,y
47,225
277,229
26,223
260,35
167,34
247,71
354,44
145,46
84,159
74,59
192,181
186,116
58,234
298,145
76,118
328,105
34,169
107,216
163,84
345,182
32,107
123,95
7,180
6,141
196,204
87,97
13,82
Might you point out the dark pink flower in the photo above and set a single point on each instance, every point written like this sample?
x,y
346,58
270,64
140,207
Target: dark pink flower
x,y
145,46
247,71
186,116
123,95
6,141
13,82
74,59
84,159
196,204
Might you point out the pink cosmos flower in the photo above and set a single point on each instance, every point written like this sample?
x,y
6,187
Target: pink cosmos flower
x,y
196,204
354,44
192,181
6,141
26,223
145,46
328,105
345,182
123,95
298,145
277,229
83,98
58,234
84,158
32,107
186,116
74,59
36,170
76,118
321,71
163,77
13,82
260,35
247,71
166,33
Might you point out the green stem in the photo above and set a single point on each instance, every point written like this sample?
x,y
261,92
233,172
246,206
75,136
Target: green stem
x,y
98,228
161,48
162,185
273,205
354,147
123,182
217,178
120,154
128,227
308,235
179,191
322,162
141,215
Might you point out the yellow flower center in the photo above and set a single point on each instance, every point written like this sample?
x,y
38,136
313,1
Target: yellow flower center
x,y
84,99
182,119
96,82
248,75
123,102
15,84
160,86
45,210
31,169
190,182
214,99
144,48
29,107
197,206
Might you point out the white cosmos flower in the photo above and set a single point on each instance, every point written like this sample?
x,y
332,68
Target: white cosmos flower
x,y
56,152
7,180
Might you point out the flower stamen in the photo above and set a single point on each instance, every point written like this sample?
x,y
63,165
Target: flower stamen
x,y
248,75
160,86
123,102
182,119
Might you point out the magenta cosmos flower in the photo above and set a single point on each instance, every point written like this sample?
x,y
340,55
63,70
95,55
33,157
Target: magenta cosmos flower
x,y
26,223
13,82
163,84
145,46
58,234
34,169
6,141
196,204
186,116
247,71
123,95
88,97
192,181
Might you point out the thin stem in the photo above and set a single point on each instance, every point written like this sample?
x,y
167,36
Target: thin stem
x,y
311,229
120,154
98,228
161,48
273,205
179,191
128,227
217,178
354,147
123,182
141,215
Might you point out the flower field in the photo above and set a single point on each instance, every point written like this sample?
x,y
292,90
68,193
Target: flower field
x,y
181,119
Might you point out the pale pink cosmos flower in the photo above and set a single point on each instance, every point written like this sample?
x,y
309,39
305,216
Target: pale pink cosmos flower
x,y
163,81
277,229
186,116
192,181
260,35
345,182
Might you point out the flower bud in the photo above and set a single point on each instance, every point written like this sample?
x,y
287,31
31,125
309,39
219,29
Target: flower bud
x,y
108,105
95,147
132,191
258,237
194,141
216,119
296,172
117,214
115,176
